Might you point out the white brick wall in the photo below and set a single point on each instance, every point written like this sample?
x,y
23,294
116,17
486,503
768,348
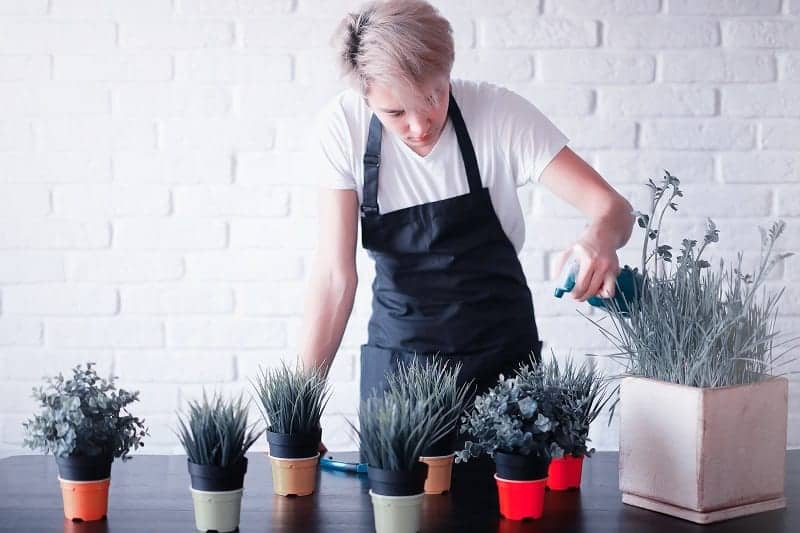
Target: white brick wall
x,y
156,216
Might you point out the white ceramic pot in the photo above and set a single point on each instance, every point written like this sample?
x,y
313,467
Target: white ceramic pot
x,y
219,511
397,514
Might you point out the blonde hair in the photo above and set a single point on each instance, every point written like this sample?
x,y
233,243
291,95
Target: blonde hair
x,y
398,43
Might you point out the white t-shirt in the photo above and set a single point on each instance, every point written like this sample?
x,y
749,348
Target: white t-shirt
x,y
513,144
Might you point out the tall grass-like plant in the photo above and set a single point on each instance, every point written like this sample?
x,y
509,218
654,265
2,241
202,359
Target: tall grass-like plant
x,y
215,432
394,428
292,400
433,383
693,324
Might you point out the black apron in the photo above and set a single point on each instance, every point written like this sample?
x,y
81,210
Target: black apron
x,y
448,282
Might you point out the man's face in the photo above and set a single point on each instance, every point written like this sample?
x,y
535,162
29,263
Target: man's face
x,y
417,121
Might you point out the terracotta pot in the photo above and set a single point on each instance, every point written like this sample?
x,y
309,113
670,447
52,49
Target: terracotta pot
x,y
440,471
294,477
565,473
85,500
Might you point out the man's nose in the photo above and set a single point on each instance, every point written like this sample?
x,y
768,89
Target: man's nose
x,y
418,124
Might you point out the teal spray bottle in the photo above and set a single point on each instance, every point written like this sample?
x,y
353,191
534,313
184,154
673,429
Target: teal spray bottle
x,y
628,290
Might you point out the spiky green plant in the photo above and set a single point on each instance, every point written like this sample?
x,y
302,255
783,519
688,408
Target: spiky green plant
x,y
692,324
292,400
215,432
433,383
580,394
84,416
394,428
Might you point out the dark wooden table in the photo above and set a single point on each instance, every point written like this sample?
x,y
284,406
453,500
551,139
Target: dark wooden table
x,y
151,494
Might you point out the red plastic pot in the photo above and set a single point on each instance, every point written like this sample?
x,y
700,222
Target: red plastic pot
x,y
521,499
565,473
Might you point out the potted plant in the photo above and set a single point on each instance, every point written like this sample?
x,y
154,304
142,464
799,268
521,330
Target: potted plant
x,y
216,437
394,429
513,423
703,410
292,402
84,422
435,383
584,393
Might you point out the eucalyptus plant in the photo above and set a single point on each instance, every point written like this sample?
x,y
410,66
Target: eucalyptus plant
x,y
394,428
215,432
515,416
292,400
579,393
433,383
84,416
693,324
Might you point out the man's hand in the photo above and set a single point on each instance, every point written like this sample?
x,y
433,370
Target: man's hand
x,y
599,267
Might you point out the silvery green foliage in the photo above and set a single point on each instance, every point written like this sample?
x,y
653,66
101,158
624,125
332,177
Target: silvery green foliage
x,y
292,400
515,416
580,394
84,416
435,384
394,428
216,432
693,324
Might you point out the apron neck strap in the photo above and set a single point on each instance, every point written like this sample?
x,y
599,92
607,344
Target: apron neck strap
x,y
372,158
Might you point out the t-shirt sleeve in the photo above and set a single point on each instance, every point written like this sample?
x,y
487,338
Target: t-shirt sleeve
x,y
532,138
330,149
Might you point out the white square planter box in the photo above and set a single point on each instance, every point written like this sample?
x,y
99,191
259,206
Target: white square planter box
x,y
703,455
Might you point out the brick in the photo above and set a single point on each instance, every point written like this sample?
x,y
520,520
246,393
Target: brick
x,y
138,67
537,33
284,99
176,35
794,6
251,265
533,265
271,168
577,66
780,134
743,33
220,67
273,299
222,200
24,200
660,100
315,66
760,167
54,167
637,166
725,7
111,8
789,66
297,234
250,363
119,332
83,201
550,233
221,8
195,366
55,234
728,201
30,364
596,133
760,101
788,201
172,167
226,333
169,234
62,134
558,101
31,267
15,135
59,299
493,66
176,299
693,134
17,398
578,330
40,36
221,135
601,8
16,331
24,68
173,101
28,101
29,7
716,66
154,399
119,267
288,32
661,33
291,135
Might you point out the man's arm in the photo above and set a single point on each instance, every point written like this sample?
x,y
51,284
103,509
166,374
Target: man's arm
x,y
332,284
572,179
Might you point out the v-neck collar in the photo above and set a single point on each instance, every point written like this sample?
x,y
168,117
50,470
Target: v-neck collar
x,y
448,126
